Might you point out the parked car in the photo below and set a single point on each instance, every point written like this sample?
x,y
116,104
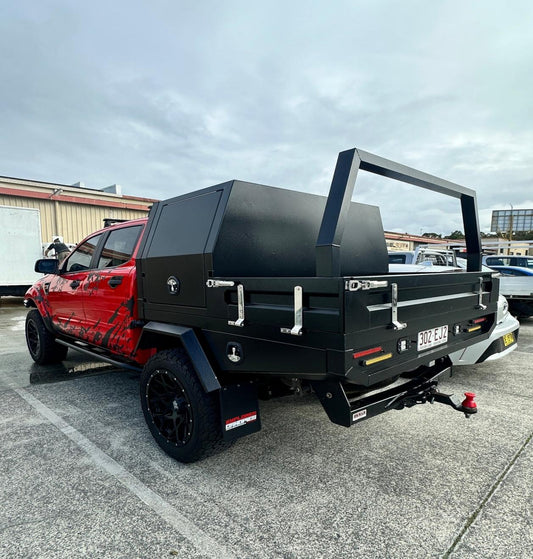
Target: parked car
x,y
504,260
516,284
513,270
423,255
503,340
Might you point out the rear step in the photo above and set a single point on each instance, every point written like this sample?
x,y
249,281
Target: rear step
x,y
345,410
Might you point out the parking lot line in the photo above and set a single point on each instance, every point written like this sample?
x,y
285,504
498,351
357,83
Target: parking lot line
x,y
204,543
486,500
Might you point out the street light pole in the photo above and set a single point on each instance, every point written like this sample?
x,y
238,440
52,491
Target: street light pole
x,y
510,230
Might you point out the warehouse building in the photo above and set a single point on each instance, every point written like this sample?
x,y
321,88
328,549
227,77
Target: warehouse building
x,y
71,211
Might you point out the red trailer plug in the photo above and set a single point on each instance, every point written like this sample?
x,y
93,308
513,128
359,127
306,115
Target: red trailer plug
x,y
468,404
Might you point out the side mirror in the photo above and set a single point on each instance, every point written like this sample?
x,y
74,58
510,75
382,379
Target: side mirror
x,y
47,266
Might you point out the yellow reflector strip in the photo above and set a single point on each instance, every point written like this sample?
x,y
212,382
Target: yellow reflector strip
x,y
473,328
377,359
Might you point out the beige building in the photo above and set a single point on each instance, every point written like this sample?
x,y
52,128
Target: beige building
x,y
404,241
71,211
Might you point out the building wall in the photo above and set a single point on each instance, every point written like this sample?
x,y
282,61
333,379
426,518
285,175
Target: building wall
x,y
68,211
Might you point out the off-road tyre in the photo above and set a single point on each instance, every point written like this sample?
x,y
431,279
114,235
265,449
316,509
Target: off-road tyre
x,y
183,418
43,348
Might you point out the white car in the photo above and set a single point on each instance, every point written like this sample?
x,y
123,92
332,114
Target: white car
x,y
502,341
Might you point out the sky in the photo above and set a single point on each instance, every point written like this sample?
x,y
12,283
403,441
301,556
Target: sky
x,y
169,96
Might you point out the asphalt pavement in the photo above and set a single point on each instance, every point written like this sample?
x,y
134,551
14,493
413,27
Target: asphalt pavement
x,y
81,476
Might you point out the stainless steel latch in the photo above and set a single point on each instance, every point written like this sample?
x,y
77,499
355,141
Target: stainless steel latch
x,y
240,299
480,305
240,306
396,324
296,330
219,283
356,285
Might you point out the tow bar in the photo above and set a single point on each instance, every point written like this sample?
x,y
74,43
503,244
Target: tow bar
x,y
346,409
427,393
467,406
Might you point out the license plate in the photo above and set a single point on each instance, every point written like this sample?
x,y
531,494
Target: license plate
x,y
508,339
432,337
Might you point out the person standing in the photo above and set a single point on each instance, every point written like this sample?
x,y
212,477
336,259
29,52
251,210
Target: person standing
x,y
60,248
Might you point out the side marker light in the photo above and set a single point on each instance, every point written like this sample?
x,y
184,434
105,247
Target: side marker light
x,y
383,357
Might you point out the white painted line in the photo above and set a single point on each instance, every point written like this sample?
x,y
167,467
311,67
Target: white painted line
x,y
165,510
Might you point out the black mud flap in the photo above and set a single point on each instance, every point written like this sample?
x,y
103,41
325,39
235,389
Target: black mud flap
x,y
239,409
344,409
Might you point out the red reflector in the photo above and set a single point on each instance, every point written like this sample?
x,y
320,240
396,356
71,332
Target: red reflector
x,y
478,320
367,352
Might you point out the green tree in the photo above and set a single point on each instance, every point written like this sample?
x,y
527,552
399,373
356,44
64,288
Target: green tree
x,y
455,235
523,235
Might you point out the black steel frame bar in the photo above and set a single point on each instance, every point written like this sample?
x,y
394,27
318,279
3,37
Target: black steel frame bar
x,y
342,186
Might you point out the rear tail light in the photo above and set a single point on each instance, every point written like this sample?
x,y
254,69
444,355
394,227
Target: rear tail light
x,y
366,352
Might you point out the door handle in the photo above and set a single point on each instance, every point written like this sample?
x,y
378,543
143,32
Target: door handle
x,y
75,284
113,282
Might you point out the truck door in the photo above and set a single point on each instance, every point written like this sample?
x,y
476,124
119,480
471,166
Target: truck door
x,y
110,292
65,290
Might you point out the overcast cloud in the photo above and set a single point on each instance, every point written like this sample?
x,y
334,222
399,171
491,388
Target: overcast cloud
x,y
164,97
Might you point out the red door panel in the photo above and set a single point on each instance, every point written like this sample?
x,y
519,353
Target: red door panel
x,y
66,302
66,290
110,293
110,309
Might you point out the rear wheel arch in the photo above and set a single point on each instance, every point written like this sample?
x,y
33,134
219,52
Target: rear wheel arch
x,y
165,336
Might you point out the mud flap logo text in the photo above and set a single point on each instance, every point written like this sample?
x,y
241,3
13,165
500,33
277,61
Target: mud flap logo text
x,y
240,420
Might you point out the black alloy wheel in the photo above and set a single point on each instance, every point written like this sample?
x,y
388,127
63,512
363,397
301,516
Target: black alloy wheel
x,y
41,343
183,418
169,407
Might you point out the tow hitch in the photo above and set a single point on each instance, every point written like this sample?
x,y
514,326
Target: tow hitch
x,y
344,409
467,406
428,393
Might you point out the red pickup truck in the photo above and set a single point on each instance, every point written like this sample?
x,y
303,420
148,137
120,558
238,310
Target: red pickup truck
x,y
241,290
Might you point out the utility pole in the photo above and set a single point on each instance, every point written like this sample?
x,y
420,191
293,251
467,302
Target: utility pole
x,y
510,230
